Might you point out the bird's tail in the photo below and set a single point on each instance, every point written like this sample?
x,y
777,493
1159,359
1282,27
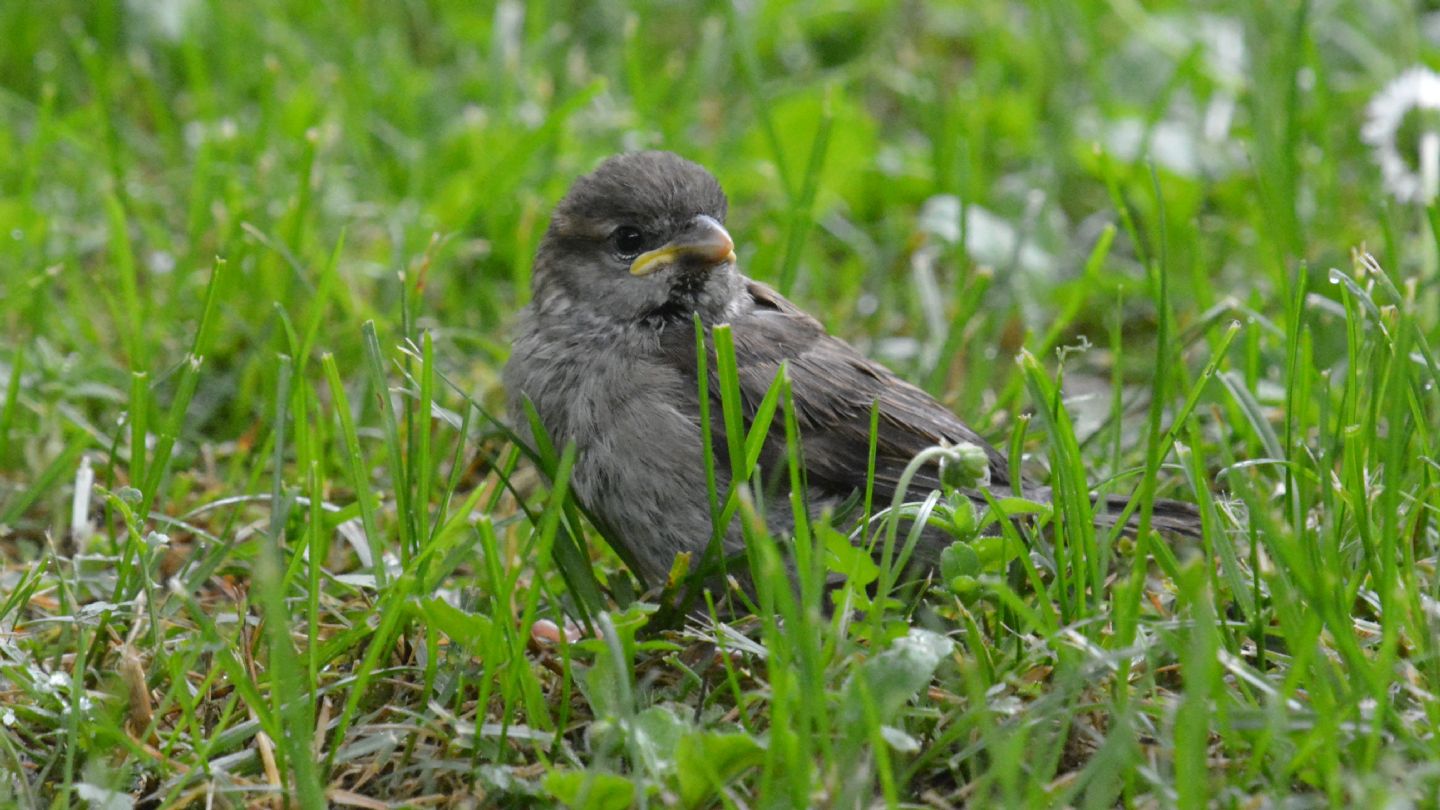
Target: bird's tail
x,y
1172,517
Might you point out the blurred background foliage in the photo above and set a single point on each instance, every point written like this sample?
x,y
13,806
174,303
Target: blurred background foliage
x,y
262,132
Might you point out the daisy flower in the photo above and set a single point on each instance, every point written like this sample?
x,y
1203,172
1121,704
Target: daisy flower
x,y
1403,127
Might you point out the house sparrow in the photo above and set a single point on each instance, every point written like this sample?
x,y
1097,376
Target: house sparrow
x,y
606,353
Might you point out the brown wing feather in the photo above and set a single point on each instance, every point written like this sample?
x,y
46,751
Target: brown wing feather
x,y
833,387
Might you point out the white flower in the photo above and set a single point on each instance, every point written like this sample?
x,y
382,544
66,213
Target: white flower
x,y
1403,127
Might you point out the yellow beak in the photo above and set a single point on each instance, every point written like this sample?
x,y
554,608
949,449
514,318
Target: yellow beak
x,y
704,240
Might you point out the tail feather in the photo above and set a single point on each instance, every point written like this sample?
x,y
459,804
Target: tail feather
x,y
1173,517
1168,516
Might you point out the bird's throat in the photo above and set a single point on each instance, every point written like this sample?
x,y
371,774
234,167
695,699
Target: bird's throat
x,y
689,294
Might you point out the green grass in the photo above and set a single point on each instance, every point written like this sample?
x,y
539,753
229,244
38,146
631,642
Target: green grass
x,y
226,237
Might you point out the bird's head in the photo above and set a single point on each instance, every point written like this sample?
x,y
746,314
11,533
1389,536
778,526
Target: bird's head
x,y
640,240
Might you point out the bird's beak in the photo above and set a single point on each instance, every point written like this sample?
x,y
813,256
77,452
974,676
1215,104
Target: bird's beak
x,y
704,240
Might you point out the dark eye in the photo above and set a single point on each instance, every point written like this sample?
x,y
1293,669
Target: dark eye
x,y
628,241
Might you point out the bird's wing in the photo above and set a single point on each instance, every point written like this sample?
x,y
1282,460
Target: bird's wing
x,y
834,388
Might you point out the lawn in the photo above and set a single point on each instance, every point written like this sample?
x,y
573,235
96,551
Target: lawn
x,y
265,540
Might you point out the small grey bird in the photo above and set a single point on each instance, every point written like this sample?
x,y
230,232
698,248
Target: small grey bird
x,y
606,353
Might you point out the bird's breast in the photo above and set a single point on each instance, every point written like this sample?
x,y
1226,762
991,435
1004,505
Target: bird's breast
x,y
605,391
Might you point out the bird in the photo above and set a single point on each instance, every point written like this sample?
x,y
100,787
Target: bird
x,y
604,354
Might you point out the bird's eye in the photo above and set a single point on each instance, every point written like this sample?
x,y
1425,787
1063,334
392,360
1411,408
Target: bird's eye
x,y
628,241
